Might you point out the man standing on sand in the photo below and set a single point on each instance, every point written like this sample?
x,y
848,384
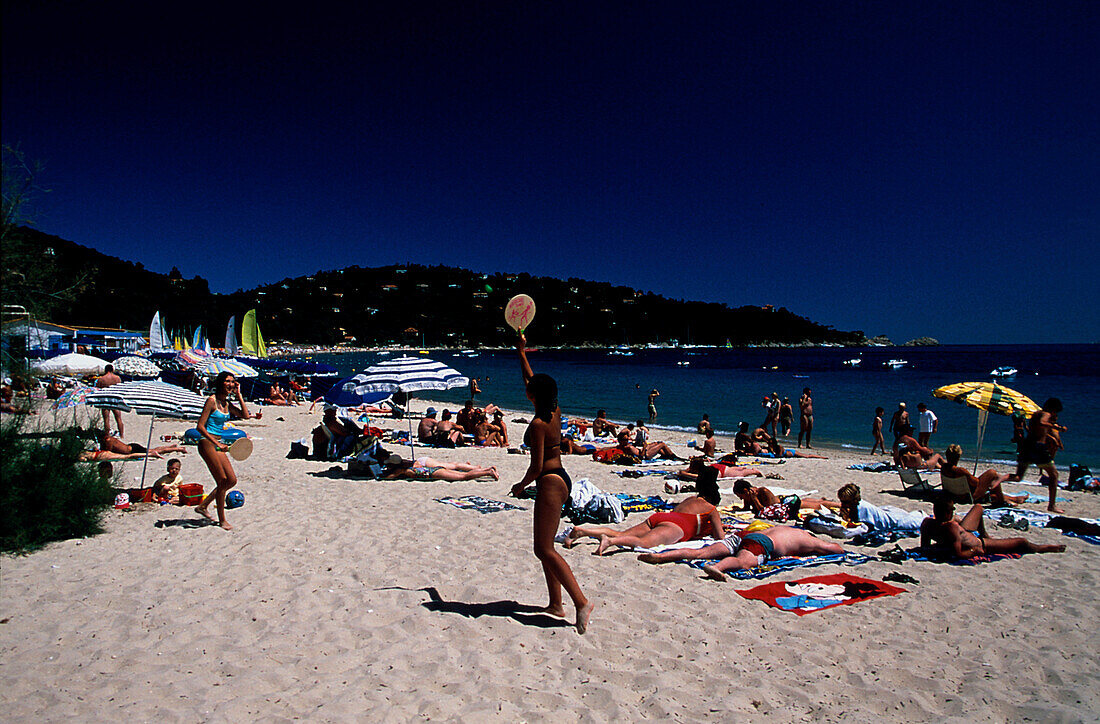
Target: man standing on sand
x,y
899,421
927,423
806,421
1043,440
106,380
652,404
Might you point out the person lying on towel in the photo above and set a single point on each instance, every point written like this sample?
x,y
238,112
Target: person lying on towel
x,y
967,537
740,553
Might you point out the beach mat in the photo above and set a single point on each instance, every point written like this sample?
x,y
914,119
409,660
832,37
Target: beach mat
x,y
481,505
643,503
817,593
789,563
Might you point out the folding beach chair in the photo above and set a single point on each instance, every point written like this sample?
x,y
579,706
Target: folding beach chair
x,y
958,488
911,481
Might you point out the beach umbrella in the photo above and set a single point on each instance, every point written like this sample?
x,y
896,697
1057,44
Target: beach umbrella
x,y
156,399
71,365
987,397
72,398
409,374
136,366
195,358
343,393
217,365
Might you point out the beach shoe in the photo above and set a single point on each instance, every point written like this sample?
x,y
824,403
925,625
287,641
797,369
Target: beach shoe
x,y
1009,521
894,555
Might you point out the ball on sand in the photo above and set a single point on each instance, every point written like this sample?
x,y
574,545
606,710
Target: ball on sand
x,y
234,499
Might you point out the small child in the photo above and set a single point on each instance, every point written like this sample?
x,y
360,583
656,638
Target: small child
x,y
167,487
876,430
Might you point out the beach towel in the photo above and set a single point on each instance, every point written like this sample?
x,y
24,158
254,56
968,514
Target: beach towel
x,y
638,473
1033,498
879,467
1094,539
818,593
789,563
481,505
916,554
642,503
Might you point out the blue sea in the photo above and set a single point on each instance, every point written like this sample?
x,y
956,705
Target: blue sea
x,y
728,384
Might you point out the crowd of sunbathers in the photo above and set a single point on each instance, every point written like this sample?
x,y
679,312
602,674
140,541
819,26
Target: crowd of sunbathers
x,y
484,427
698,518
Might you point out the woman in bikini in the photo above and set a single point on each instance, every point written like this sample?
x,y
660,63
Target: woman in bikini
x,y
425,468
543,437
694,518
215,413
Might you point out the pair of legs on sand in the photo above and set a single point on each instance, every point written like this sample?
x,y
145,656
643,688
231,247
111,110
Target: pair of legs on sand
x,y
224,480
550,496
638,536
786,541
989,483
974,522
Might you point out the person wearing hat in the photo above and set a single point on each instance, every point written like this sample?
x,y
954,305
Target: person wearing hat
x,y
425,432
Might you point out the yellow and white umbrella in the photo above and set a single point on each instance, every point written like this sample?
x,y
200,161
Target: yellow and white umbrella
x,y
987,397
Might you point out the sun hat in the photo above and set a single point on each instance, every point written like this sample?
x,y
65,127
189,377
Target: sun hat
x,y
431,411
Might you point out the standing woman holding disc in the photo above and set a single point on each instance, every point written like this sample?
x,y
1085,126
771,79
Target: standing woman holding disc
x,y
553,486
212,448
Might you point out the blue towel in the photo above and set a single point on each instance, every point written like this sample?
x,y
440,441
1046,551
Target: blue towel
x,y
783,565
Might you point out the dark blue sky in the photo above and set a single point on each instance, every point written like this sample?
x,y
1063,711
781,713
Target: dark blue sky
x,y
905,169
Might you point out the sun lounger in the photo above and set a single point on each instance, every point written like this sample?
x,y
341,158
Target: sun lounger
x,y
911,481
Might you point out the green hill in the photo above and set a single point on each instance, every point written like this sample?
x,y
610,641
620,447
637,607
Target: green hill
x,y
67,283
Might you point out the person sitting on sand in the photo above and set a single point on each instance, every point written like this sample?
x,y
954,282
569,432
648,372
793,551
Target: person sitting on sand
x,y
695,517
426,468
499,425
466,417
908,453
334,437
54,390
425,431
7,404
699,463
710,445
602,426
988,483
704,425
167,487
739,553
967,537
448,433
485,434
743,444
277,397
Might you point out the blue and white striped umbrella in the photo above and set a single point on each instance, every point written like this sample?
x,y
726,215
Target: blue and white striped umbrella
x,y
235,367
408,374
159,399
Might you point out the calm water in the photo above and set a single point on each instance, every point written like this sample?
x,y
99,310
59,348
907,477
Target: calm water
x,y
729,384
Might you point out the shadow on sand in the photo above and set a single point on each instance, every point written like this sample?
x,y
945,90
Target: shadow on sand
x,y
520,612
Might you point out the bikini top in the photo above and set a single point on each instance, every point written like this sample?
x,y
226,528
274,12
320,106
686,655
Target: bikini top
x,y
552,448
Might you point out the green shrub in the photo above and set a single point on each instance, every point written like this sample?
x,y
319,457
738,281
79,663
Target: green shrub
x,y
46,494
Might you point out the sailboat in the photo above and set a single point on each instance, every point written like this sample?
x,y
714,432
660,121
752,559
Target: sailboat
x,y
231,336
196,341
252,342
158,338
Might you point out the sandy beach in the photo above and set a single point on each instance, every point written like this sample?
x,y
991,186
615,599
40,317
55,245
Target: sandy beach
x,y
337,599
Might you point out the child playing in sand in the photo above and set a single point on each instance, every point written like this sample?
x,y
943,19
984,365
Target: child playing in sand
x,y
167,487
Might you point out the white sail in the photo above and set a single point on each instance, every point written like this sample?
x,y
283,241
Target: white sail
x,y
156,334
231,336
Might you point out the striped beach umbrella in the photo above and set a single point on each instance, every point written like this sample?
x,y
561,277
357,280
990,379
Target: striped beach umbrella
x,y
156,399
987,397
408,374
136,366
217,365
195,358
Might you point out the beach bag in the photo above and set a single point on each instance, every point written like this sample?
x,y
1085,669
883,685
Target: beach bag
x,y
299,450
190,494
364,469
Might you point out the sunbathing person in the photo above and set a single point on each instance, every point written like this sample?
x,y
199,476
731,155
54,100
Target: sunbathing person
x,y
602,426
277,397
739,553
695,517
697,464
485,434
334,437
569,446
447,432
988,483
967,537
425,431
498,424
908,453
853,509
113,444
425,468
